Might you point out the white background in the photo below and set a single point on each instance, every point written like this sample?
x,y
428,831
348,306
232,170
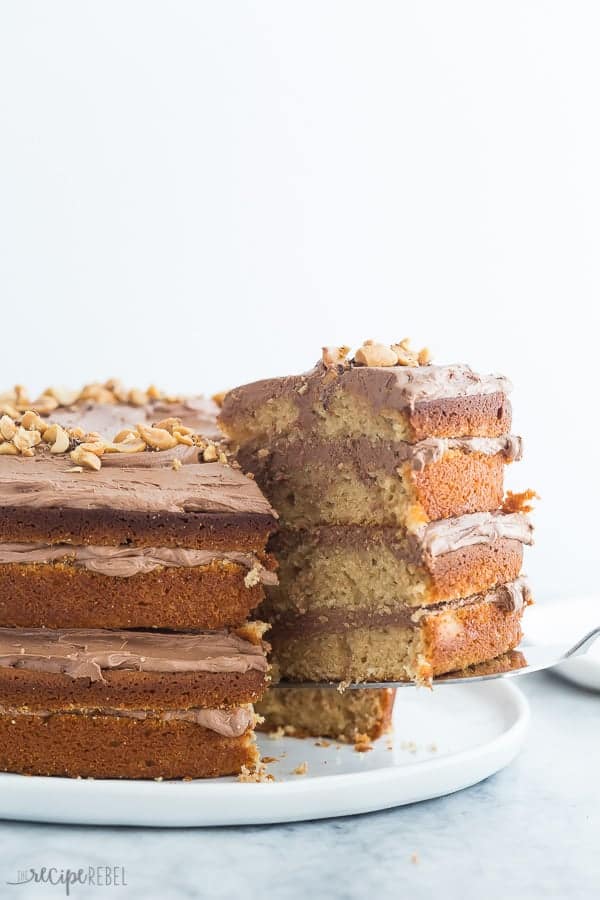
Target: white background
x,y
203,193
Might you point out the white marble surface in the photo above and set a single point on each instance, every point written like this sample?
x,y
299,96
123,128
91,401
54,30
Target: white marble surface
x,y
531,831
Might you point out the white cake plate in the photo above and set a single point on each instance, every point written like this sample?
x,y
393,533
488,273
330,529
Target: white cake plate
x,y
565,621
444,740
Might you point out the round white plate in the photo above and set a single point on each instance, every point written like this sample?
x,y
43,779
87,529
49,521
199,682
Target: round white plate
x,y
444,740
566,622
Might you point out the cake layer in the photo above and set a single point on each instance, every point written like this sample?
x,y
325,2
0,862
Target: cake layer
x,y
406,645
352,482
199,506
101,745
390,403
302,712
63,669
62,586
361,570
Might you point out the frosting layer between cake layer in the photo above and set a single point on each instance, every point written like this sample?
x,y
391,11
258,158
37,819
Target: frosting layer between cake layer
x,y
124,562
86,653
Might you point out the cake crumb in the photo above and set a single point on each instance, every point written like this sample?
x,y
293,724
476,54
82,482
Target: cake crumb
x,y
519,502
187,778
410,746
322,743
362,743
269,759
277,734
252,578
176,465
343,687
302,769
257,775
432,748
159,778
414,858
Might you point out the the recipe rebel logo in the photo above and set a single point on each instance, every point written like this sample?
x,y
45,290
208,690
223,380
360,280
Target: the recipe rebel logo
x,y
90,876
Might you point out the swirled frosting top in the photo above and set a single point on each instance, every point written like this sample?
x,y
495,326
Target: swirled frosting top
x,y
45,481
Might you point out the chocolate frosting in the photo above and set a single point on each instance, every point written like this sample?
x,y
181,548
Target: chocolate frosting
x,y
368,457
43,481
124,562
229,722
447,535
86,653
511,597
393,388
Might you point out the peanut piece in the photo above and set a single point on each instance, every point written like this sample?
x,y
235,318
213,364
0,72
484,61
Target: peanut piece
x,y
95,447
125,435
24,440
7,448
8,428
62,395
157,438
210,454
334,356
31,421
378,355
44,405
86,459
169,424
61,440
135,445
137,397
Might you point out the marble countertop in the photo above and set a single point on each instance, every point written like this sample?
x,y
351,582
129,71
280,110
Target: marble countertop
x,y
533,830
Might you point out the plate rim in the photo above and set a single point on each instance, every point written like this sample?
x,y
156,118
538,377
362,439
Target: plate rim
x,y
488,757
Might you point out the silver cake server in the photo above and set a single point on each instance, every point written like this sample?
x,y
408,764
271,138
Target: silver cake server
x,y
523,660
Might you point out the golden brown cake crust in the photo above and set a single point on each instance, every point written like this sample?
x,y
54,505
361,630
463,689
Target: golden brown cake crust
x,y
60,595
468,636
480,415
474,569
123,689
460,483
110,747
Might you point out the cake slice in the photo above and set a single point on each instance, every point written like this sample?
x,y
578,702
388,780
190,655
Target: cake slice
x,y
122,534
388,446
397,558
125,704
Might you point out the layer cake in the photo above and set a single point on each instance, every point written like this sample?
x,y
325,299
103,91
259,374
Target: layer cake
x,y
125,704
397,558
129,538
155,529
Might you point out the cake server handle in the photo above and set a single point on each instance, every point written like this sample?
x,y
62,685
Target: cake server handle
x,y
524,660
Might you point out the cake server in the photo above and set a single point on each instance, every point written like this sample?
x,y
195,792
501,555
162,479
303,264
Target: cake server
x,y
523,660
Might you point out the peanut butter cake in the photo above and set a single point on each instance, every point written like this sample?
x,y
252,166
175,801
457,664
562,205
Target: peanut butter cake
x,y
153,529
397,558
125,704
